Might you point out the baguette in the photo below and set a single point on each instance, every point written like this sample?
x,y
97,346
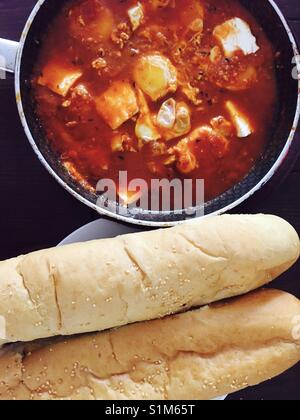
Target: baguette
x,y
198,355
109,283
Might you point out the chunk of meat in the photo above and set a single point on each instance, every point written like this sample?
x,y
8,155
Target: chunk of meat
x,y
219,142
122,142
78,107
186,161
145,129
235,35
117,104
157,148
185,149
241,122
222,126
191,93
121,34
81,91
155,34
136,16
59,78
99,63
156,76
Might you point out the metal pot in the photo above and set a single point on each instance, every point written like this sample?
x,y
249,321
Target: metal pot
x,y
20,57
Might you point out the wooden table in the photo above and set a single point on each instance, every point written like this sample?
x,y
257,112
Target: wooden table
x,y
37,213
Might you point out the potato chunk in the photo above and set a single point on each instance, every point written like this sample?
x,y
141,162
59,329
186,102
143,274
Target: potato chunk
x,y
235,35
59,78
156,76
91,22
136,16
240,121
117,104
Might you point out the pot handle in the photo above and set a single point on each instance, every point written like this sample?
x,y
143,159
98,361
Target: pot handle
x,y
8,55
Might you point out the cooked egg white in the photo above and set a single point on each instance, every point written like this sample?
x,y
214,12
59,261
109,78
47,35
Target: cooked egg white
x,y
156,76
241,122
235,35
136,16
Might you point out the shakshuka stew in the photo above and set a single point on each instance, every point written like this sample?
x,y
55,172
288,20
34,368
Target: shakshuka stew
x,y
158,88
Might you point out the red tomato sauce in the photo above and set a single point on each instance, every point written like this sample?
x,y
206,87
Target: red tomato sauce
x,y
95,45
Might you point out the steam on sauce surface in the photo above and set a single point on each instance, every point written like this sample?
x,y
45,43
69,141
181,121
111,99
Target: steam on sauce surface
x,y
160,88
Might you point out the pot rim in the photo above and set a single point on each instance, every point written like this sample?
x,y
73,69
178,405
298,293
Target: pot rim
x,y
126,219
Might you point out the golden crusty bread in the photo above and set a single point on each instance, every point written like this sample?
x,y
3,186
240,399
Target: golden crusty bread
x,y
200,354
109,283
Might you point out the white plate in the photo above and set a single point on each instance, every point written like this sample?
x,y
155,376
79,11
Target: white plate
x,y
102,229
99,229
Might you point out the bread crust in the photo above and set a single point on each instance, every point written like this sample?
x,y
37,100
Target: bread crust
x,y
108,283
198,355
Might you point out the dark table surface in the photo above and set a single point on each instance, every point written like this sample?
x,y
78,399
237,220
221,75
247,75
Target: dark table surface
x,y
37,213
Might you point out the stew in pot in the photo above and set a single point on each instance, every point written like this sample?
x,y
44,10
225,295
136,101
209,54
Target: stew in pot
x,y
158,88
